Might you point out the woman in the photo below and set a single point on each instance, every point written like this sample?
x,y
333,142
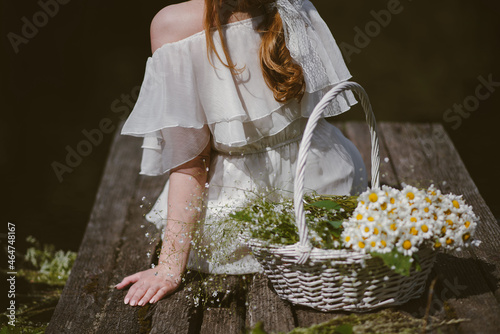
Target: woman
x,y
224,102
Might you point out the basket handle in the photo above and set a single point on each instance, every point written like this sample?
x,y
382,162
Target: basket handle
x,y
304,246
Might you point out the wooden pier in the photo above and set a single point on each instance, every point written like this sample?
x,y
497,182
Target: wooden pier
x,y
115,246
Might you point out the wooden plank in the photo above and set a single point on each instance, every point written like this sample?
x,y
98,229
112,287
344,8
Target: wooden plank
x,y
306,317
417,165
359,134
82,298
224,311
265,306
451,168
137,251
179,313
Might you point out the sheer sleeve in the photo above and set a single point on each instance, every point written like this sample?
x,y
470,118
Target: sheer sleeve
x,y
185,102
168,112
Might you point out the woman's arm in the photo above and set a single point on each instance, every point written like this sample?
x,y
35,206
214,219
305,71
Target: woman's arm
x,y
185,200
187,182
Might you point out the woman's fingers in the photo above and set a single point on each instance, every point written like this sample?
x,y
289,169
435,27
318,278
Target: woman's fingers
x,y
147,287
160,294
127,280
138,293
147,296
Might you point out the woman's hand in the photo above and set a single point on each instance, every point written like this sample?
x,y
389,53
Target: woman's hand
x,y
150,285
187,184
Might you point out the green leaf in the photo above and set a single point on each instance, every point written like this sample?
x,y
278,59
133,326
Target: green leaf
x,y
337,224
343,329
401,262
258,329
336,234
327,204
241,216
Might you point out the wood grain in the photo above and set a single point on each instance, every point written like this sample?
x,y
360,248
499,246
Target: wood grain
x,y
421,165
178,313
136,253
84,295
265,306
225,309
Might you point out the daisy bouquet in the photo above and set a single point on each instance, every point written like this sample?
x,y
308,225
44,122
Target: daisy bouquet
x,y
389,220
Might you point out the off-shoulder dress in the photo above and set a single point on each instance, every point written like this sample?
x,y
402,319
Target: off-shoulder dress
x,y
185,103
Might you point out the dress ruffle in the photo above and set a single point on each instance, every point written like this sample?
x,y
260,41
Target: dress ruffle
x,y
184,100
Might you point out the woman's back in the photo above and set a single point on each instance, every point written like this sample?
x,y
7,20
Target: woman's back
x,y
176,22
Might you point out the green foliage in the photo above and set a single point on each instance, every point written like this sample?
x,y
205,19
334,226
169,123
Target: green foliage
x,y
274,221
343,329
48,265
326,204
258,329
24,326
400,263
316,329
387,321
47,270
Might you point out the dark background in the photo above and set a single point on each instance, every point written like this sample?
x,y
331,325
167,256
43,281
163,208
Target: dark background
x,y
65,79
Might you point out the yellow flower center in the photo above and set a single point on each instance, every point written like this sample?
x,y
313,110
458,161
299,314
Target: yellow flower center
x,y
447,212
347,238
410,195
428,200
392,201
383,243
375,231
456,204
361,244
413,231
413,219
425,228
426,209
359,216
373,197
449,241
367,229
443,229
467,224
393,227
407,244
449,221
363,202
466,236
371,219
383,206
437,244
373,244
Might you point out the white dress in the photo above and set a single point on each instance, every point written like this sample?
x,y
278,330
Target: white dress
x,y
185,102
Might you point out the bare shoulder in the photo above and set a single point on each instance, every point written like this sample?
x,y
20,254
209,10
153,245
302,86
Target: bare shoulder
x,y
176,22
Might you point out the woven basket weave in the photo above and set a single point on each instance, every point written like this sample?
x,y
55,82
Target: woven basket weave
x,y
344,279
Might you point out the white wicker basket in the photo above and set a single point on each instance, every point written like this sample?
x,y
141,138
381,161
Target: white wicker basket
x,y
329,280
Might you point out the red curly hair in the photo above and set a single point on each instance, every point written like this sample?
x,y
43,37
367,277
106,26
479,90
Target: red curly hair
x,y
283,76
